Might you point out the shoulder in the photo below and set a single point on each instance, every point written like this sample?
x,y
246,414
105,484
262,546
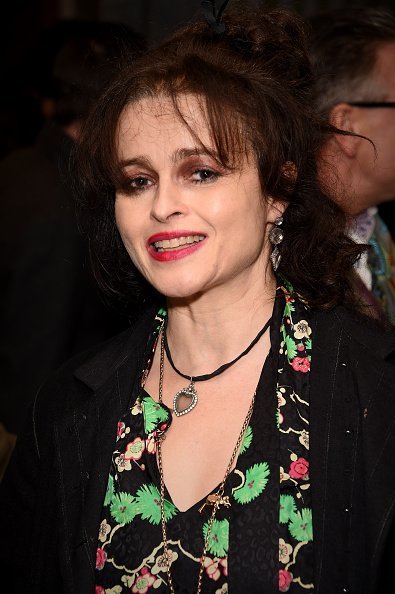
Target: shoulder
x,y
353,355
87,373
363,334
94,366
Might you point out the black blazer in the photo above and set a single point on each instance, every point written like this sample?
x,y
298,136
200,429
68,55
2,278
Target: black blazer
x,y
52,495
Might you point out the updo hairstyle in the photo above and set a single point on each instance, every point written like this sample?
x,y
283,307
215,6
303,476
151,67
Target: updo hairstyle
x,y
254,84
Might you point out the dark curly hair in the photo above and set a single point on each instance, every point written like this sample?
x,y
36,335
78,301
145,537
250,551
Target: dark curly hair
x,y
254,82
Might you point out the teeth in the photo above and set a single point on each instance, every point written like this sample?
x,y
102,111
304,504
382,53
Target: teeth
x,y
176,242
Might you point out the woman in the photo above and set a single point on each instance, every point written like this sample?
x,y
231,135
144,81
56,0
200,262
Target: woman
x,y
178,457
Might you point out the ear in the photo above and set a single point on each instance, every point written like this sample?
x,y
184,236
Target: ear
x,y
290,173
344,117
275,209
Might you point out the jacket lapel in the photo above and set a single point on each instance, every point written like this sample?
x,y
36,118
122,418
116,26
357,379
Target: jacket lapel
x,y
324,367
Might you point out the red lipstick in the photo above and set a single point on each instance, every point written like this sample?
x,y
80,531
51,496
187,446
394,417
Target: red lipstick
x,y
175,253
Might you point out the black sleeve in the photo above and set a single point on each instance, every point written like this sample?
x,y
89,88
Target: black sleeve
x,y
28,512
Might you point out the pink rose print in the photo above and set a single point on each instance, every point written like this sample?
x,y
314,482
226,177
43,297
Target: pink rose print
x,y
160,430
101,557
134,449
143,582
120,428
299,469
284,580
301,364
99,590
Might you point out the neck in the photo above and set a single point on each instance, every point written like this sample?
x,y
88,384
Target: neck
x,y
211,329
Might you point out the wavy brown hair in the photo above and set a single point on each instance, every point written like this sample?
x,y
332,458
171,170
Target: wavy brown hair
x,y
254,83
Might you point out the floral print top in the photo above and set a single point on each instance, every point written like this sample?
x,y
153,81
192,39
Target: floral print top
x,y
263,541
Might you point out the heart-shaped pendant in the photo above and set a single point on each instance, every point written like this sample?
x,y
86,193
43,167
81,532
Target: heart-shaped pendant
x,y
189,393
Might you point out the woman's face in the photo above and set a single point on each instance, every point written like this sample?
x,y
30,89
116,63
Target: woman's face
x,y
188,224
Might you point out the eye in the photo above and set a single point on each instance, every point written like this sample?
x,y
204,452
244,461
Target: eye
x,y
139,183
135,185
201,176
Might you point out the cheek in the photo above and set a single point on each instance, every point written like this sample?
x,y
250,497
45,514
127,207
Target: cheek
x,y
131,245
119,212
127,226
256,218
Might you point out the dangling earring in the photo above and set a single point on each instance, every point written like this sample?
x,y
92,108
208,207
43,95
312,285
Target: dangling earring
x,y
276,236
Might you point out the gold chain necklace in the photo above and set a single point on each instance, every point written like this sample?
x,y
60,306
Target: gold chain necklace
x,y
214,499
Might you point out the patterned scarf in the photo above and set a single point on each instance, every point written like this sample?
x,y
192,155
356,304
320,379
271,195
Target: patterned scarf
x,y
293,394
381,261
293,388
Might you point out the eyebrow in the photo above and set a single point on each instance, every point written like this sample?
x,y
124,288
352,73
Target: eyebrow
x,y
178,155
184,153
139,160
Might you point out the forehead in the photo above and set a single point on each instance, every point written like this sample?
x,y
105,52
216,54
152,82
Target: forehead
x,y
155,121
384,70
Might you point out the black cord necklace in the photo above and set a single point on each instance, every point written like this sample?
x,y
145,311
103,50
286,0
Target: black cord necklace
x,y
190,392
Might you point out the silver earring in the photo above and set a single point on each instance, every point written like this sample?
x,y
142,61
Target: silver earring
x,y
276,236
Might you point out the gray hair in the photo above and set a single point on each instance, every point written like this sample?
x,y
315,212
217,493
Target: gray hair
x,y
344,45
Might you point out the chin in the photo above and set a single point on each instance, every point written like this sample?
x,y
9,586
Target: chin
x,y
175,285
185,290
181,294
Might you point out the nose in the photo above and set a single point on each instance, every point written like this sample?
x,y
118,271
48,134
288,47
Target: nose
x,y
168,201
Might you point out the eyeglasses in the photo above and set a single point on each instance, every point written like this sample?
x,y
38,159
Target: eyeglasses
x,y
372,104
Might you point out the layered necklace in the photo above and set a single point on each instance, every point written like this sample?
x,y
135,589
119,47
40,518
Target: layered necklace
x,y
189,392
214,500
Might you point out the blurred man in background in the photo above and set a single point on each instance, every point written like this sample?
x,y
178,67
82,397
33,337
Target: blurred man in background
x,y
354,55
49,308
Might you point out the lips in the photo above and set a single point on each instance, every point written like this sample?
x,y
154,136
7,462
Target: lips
x,y
174,245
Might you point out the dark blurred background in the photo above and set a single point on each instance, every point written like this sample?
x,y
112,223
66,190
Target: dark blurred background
x,y
29,41
25,56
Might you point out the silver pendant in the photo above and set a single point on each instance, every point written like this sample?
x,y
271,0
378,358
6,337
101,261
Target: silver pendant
x,y
190,393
